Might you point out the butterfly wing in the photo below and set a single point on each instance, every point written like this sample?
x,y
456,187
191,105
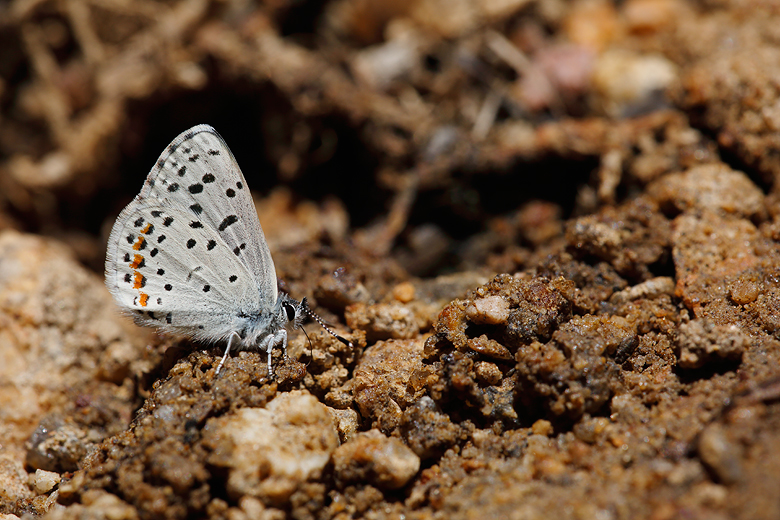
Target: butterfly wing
x,y
197,173
188,254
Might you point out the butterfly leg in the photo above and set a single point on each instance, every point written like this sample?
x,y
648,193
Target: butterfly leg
x,y
268,344
281,337
227,351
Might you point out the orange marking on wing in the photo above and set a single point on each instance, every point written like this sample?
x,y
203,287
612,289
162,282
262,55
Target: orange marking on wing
x,y
147,229
137,259
144,299
139,281
139,243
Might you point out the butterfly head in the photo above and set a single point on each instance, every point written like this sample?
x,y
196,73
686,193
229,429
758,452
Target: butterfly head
x,y
293,312
296,312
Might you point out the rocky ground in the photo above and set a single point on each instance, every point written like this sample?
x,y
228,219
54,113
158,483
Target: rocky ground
x,y
551,231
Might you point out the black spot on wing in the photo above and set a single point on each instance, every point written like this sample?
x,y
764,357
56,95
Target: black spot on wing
x,y
167,221
230,192
211,244
197,208
139,222
208,178
173,187
154,252
168,287
196,188
160,239
182,171
195,224
191,243
227,221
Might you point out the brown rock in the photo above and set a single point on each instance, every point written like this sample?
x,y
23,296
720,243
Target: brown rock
x,y
709,250
713,187
383,321
270,452
427,430
702,341
370,457
383,384
629,238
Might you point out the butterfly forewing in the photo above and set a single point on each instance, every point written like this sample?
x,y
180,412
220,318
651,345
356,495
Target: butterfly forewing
x,y
198,176
188,255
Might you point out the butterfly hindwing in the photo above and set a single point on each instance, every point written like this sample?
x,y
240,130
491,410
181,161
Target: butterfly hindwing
x,y
180,279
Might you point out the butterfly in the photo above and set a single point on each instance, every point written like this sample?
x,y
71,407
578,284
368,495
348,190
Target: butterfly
x,y
188,255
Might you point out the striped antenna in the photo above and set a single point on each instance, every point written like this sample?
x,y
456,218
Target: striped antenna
x,y
307,310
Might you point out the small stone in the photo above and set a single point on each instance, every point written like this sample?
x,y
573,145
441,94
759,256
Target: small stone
x,y
488,372
713,187
744,291
701,341
44,481
428,431
542,427
383,321
56,446
404,292
384,462
629,83
271,451
346,422
490,310
384,383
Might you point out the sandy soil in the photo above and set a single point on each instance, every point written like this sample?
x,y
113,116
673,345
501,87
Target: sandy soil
x,y
551,231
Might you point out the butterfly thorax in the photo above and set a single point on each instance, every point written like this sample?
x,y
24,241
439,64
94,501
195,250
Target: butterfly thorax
x,y
253,328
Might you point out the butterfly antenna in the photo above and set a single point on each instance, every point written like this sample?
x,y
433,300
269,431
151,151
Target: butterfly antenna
x,y
311,347
316,318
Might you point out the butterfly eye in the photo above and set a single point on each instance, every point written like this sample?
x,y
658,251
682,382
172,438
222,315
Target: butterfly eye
x,y
290,311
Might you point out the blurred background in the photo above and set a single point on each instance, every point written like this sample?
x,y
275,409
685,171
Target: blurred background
x,y
449,134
